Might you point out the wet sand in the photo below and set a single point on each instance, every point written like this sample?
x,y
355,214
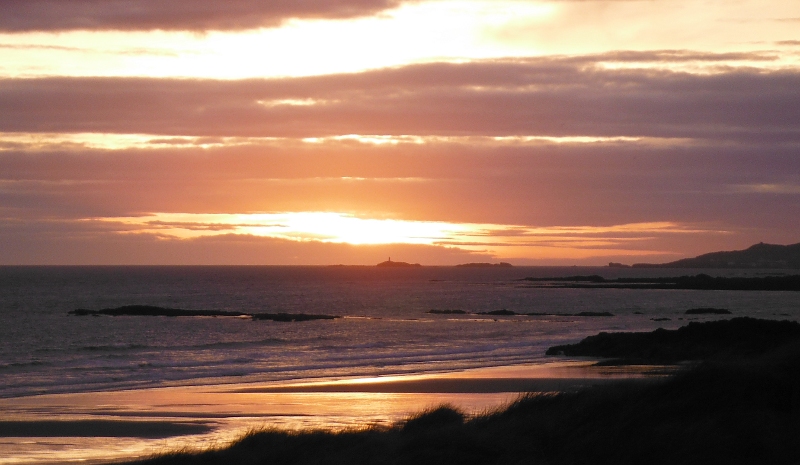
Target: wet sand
x,y
120,425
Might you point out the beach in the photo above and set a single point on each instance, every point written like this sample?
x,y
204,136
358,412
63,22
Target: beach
x,y
100,388
734,401
114,426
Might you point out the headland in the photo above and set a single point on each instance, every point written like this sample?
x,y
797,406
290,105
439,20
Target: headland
x,y
761,255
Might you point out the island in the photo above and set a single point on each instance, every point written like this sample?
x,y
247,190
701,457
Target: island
x,y
390,264
447,312
618,265
485,265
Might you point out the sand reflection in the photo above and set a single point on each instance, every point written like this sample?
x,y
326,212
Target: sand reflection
x,y
120,425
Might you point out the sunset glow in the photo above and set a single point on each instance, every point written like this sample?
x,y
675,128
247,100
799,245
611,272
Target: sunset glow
x,y
533,131
231,230
506,241
301,226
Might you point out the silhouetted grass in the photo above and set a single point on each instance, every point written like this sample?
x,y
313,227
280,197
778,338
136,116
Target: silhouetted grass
x,y
744,411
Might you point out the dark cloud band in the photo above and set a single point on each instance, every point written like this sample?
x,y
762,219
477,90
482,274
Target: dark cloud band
x,y
544,97
128,15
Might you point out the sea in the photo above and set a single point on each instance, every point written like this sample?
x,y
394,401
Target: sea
x,y
385,328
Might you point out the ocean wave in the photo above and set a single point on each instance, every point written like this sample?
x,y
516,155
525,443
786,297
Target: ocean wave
x,y
385,329
202,346
14,365
113,347
91,374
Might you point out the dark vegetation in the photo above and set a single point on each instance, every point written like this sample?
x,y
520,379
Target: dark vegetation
x,y
756,256
447,312
698,282
149,310
724,410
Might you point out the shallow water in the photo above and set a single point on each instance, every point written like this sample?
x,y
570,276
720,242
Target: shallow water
x,y
229,411
58,366
385,328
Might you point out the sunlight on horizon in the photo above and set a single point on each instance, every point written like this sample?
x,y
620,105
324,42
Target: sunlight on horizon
x,y
342,228
299,226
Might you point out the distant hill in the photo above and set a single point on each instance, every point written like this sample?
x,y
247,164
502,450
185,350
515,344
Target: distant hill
x,y
757,256
390,264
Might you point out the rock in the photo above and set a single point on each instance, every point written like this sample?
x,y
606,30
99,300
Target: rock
x,y
696,341
707,311
289,317
149,310
502,312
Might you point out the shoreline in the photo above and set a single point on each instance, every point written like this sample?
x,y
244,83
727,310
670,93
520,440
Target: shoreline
x,y
124,425
556,412
732,410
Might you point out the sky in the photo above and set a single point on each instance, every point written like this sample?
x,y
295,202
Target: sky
x,y
317,132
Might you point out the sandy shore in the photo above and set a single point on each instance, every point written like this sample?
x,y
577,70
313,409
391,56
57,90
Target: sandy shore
x,y
119,425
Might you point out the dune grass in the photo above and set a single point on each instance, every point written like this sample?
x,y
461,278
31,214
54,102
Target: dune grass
x,y
738,406
725,412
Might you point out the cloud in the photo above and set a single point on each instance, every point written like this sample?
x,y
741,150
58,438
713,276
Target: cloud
x,y
195,15
336,227
539,185
730,197
537,97
784,189
483,142
678,56
123,240
98,243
